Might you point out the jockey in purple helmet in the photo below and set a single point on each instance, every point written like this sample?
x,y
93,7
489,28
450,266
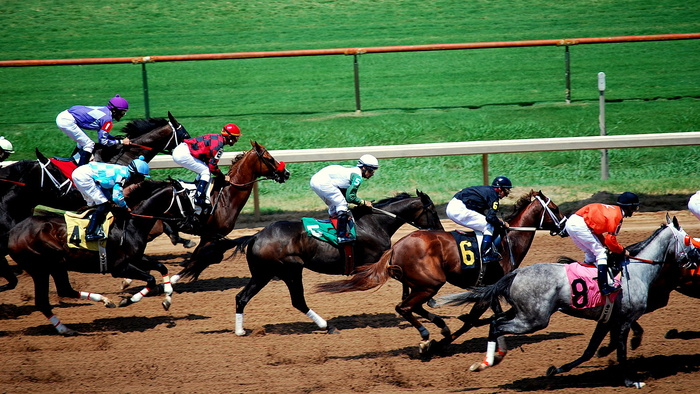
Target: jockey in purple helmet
x,y
79,117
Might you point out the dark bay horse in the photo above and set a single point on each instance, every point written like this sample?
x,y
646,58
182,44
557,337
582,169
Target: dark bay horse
x,y
227,203
28,183
39,246
537,291
283,249
424,261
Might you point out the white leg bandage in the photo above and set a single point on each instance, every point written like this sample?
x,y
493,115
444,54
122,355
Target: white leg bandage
x,y
317,319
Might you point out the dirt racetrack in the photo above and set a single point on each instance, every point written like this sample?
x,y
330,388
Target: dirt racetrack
x,y
192,347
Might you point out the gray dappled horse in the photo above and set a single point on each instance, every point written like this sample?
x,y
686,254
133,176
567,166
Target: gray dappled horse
x,y
537,291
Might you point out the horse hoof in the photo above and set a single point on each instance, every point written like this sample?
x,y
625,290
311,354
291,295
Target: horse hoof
x,y
426,346
126,283
551,371
478,367
333,330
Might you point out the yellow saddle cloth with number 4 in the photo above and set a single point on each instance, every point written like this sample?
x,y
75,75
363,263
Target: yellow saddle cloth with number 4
x,y
76,224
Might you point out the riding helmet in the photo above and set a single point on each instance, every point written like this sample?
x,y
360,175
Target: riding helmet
x,y
502,182
118,102
231,130
628,199
368,161
140,166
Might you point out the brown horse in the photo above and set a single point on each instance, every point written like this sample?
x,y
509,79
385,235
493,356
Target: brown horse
x,y
39,245
248,168
425,260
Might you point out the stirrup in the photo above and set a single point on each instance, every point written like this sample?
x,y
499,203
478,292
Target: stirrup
x,y
608,289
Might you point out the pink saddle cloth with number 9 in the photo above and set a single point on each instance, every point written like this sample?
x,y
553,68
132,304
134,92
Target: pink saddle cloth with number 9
x,y
584,286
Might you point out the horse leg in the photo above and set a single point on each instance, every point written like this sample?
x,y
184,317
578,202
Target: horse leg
x,y
6,272
601,330
134,272
292,278
150,265
258,280
406,307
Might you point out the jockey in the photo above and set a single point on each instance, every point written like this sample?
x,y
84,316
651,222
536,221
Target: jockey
x,y
78,117
201,155
594,228
475,207
337,186
5,149
96,181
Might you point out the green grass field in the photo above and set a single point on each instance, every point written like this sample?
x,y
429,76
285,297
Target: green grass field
x,y
418,97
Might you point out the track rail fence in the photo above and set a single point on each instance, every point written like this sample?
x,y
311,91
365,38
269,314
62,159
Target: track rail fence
x,y
355,52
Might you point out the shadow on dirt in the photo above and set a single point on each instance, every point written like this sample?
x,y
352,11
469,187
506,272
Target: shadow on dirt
x,y
648,369
117,324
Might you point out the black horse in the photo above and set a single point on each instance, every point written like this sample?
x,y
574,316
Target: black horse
x,y
39,246
28,183
283,249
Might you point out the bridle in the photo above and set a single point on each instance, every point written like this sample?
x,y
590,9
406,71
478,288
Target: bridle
x,y
269,163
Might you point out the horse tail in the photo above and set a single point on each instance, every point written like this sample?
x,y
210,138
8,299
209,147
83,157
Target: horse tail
x,y
487,295
366,277
213,253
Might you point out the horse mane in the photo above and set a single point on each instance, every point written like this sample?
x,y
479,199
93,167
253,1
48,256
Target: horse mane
x,y
521,204
142,190
139,127
636,248
386,201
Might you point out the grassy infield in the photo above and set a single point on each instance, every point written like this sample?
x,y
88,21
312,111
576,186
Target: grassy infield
x,y
419,97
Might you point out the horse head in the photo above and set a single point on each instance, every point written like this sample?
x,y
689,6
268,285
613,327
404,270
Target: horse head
x,y
272,169
536,209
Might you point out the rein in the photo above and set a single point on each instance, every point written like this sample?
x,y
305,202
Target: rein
x,y
397,217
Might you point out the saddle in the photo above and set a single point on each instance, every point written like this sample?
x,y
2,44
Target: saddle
x,y
325,231
76,223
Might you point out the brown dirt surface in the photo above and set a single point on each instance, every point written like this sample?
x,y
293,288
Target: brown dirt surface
x,y
192,347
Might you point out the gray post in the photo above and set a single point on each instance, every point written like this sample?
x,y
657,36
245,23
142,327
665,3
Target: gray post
x,y
356,66
604,173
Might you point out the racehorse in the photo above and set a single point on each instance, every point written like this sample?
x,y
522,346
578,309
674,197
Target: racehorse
x,y
283,249
537,291
28,183
424,261
247,169
39,245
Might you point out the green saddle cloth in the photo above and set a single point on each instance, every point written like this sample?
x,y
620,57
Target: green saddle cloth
x,y
323,230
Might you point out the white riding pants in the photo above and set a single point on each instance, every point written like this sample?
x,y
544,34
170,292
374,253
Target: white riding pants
x,y
331,195
584,239
93,195
694,204
66,123
183,157
458,212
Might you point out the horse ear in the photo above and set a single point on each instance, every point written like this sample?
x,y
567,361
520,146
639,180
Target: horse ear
x,y
173,120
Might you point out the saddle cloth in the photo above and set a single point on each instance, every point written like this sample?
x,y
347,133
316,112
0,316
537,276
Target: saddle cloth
x,y
76,223
324,230
584,286
468,246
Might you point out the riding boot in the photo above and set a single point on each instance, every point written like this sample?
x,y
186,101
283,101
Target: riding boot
x,y
344,234
84,157
605,283
200,198
94,229
489,254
